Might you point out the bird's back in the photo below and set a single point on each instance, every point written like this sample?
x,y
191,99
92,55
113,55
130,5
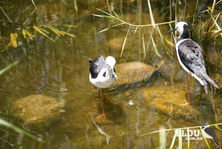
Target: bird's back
x,y
96,66
191,56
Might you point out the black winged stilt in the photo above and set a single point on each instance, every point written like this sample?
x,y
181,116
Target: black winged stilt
x,y
102,74
190,56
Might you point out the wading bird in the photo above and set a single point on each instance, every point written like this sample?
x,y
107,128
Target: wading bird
x,y
190,56
102,74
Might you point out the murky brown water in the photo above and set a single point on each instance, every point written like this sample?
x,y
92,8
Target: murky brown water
x,y
60,70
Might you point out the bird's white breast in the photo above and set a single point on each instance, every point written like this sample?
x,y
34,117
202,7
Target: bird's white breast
x,y
103,81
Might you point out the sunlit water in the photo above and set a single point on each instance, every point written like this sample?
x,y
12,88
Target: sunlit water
x,y
60,69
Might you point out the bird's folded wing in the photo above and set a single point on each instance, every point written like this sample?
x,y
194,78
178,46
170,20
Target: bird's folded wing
x,y
211,132
191,56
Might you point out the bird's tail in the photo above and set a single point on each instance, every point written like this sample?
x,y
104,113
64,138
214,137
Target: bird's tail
x,y
216,143
208,79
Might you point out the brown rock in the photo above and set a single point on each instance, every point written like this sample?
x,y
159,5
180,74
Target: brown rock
x,y
173,71
116,43
37,108
169,99
133,72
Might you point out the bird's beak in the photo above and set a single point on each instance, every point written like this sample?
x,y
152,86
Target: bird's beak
x,y
90,60
173,30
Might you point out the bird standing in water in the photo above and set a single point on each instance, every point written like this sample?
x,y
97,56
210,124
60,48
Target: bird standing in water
x,y
102,74
190,56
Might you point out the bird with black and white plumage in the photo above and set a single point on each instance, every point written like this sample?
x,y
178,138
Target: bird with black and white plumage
x,y
190,56
209,132
102,74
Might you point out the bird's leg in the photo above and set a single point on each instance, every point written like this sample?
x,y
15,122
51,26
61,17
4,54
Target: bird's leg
x,y
188,90
101,103
188,87
187,102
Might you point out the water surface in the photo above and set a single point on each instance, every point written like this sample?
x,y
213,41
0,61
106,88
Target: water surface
x,y
59,69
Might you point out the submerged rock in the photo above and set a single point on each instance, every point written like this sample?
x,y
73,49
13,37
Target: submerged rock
x,y
172,71
133,72
116,43
169,99
37,108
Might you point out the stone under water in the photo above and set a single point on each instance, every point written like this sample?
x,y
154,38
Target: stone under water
x,y
169,100
133,72
37,108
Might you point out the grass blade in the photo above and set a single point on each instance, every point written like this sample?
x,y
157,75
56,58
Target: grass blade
x,y
102,16
161,36
75,5
144,46
215,22
13,37
151,14
174,38
18,130
8,67
25,32
180,140
33,4
218,15
68,34
218,128
42,31
188,138
116,14
124,42
5,14
131,40
208,145
173,141
154,46
56,31
162,138
106,29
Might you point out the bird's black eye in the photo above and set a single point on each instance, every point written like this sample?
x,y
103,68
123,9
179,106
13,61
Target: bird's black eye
x,y
104,74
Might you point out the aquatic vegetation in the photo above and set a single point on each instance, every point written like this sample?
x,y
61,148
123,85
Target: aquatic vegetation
x,y
178,134
27,30
155,26
18,130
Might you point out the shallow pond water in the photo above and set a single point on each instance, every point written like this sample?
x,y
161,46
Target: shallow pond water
x,y
60,69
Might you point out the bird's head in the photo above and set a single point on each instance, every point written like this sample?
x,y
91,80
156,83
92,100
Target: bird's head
x,y
204,125
182,30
